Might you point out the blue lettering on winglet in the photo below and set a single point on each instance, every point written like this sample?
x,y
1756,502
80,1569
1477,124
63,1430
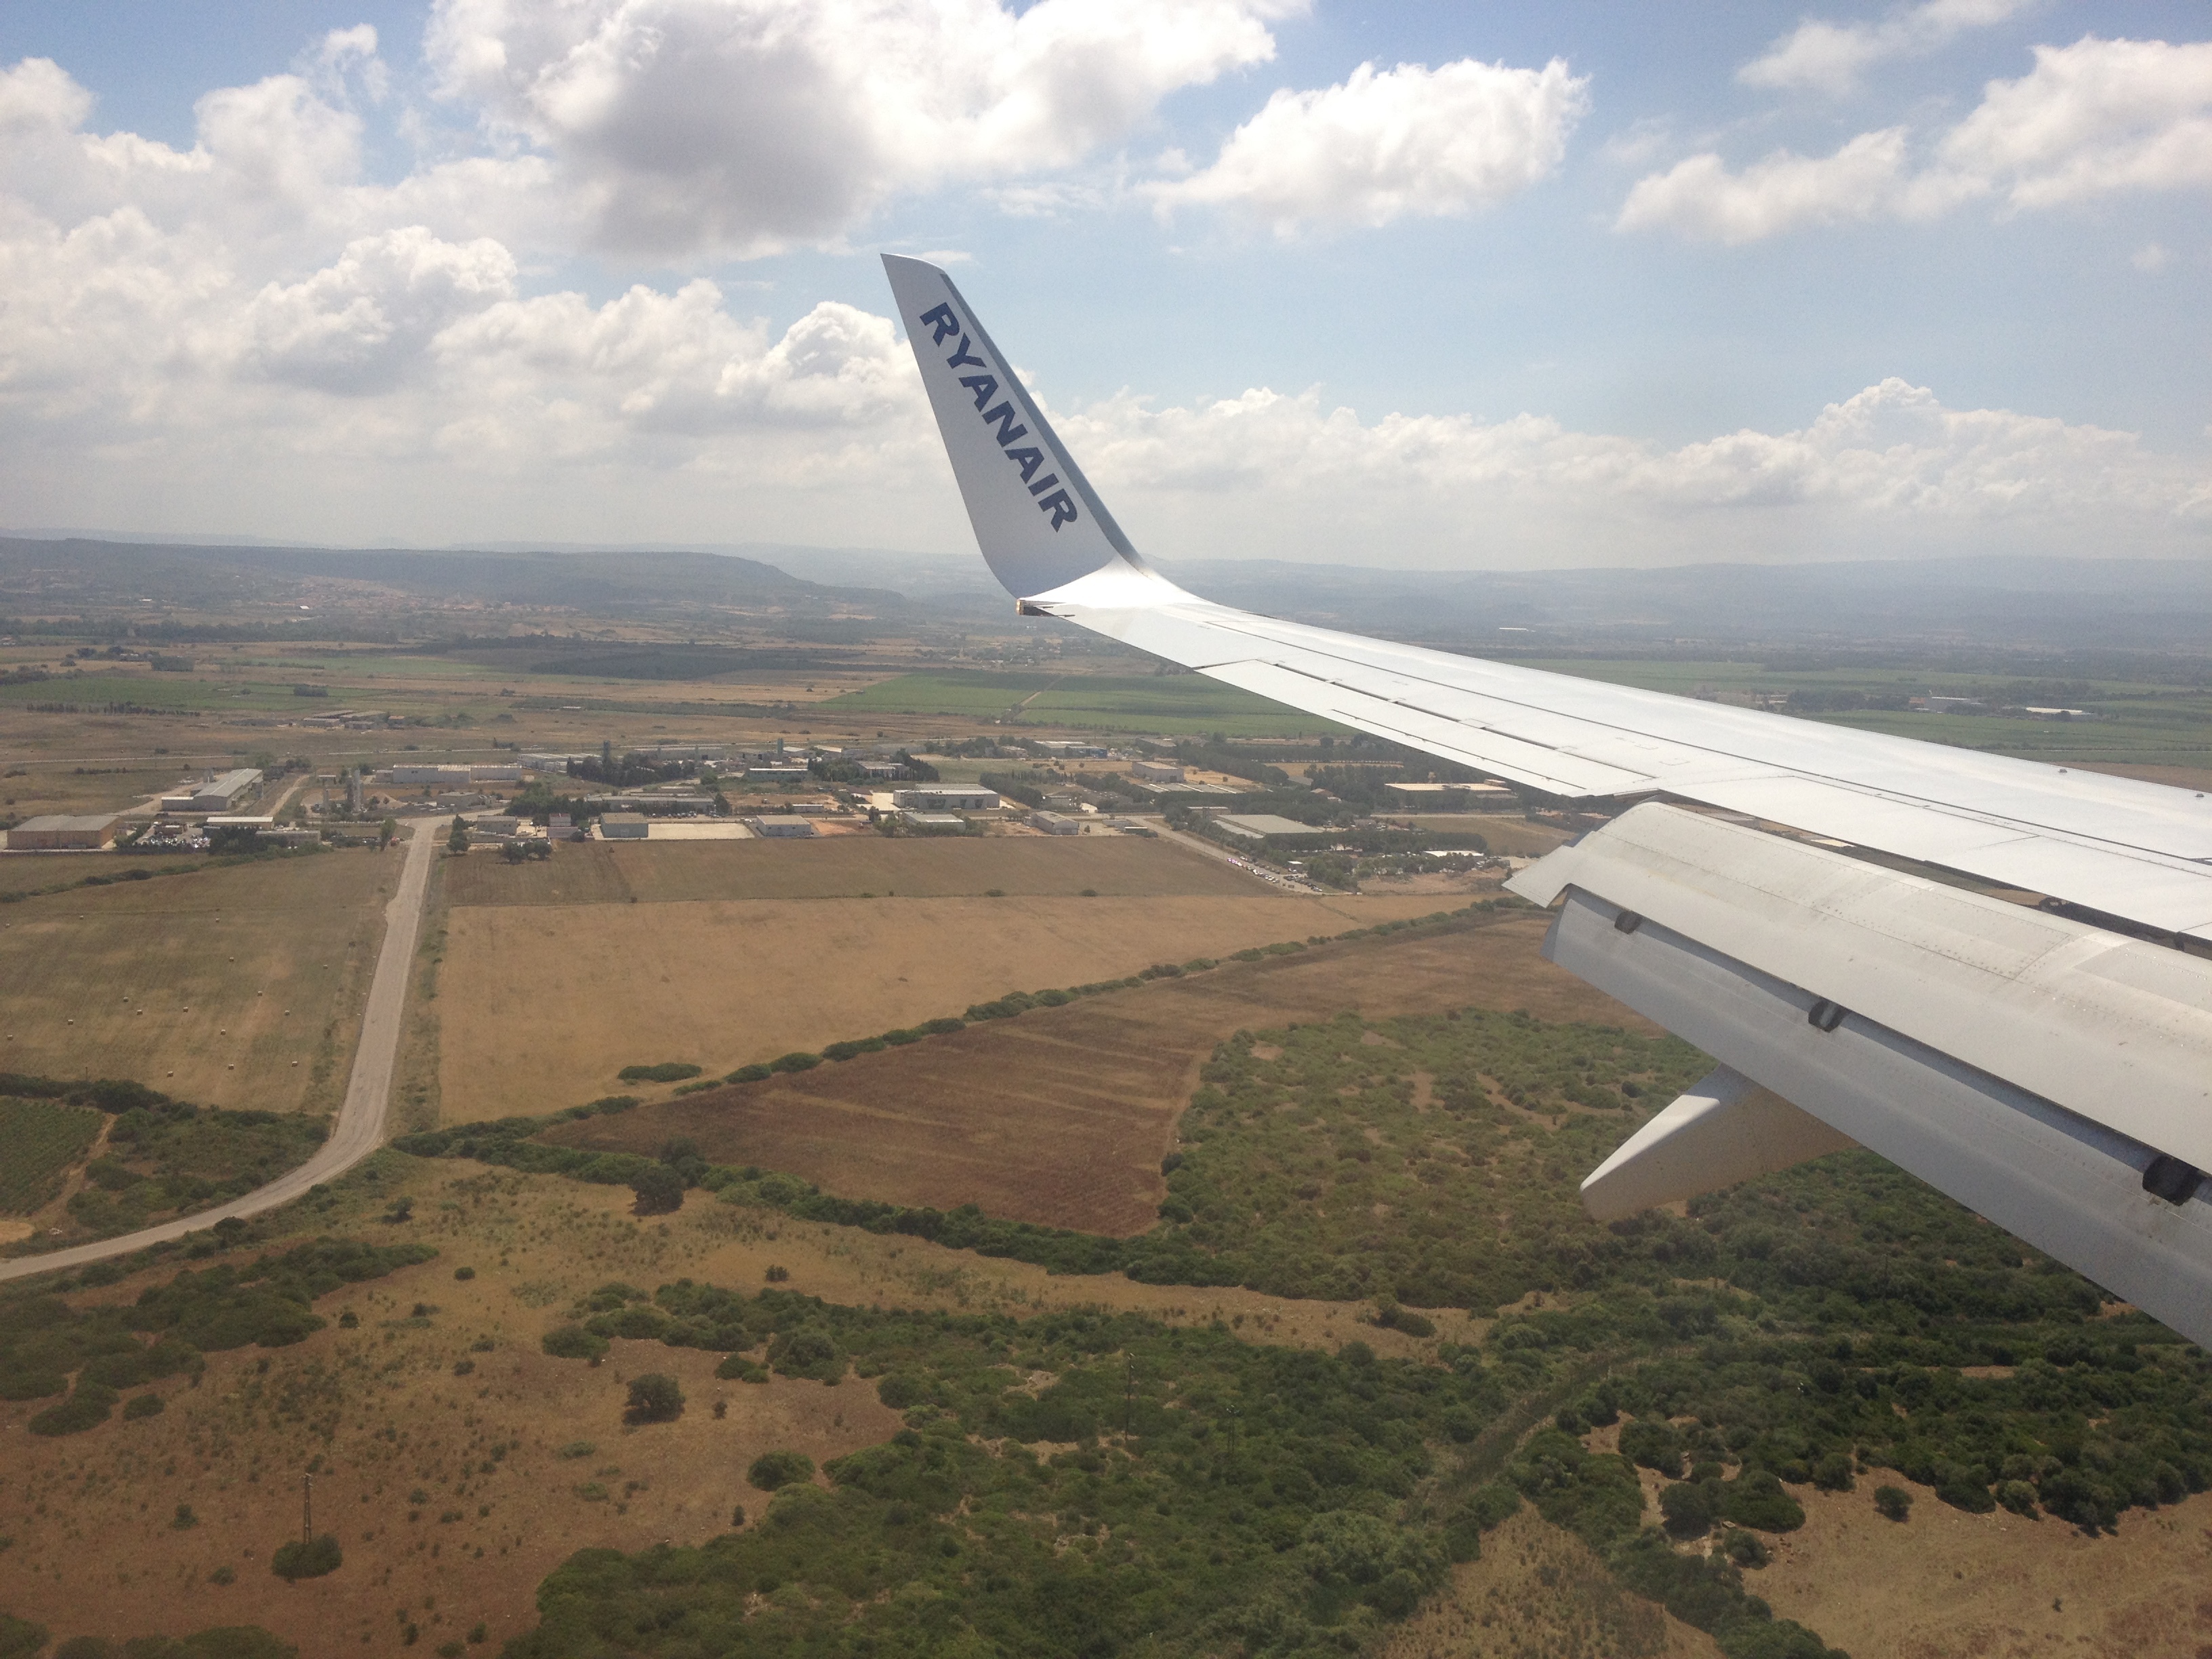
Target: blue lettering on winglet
x,y
943,325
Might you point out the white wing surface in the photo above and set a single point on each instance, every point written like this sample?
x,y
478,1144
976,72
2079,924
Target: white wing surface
x,y
2109,850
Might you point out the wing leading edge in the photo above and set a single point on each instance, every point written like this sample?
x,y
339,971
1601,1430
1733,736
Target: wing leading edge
x,y
2138,853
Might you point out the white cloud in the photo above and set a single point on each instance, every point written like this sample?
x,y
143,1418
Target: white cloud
x,y
747,126
1264,472
1384,145
2094,118
1817,56
253,334
2151,258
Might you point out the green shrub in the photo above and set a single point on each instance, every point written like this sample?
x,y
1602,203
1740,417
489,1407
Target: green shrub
x,y
1654,1445
612,1105
748,1074
653,1398
1833,1472
738,1369
2018,1496
773,1471
573,1342
797,1061
1691,1507
668,1071
1746,1549
307,1559
1755,1498
19,1638
142,1406
88,1407
1893,1502
852,1049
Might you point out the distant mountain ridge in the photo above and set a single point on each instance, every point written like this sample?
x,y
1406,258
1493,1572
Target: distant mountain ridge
x,y
2039,603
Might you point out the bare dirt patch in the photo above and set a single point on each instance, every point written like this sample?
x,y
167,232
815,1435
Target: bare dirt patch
x,y
183,982
1061,1117
1945,1583
541,1006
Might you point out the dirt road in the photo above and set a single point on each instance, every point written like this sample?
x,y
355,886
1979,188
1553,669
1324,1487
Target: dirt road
x,y
360,1127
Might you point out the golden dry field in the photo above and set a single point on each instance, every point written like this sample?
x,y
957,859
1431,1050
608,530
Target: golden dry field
x,y
1945,1582
237,986
1061,1117
541,1004
847,866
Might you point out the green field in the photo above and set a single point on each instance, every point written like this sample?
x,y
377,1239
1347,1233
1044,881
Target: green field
x,y
1175,703
2141,723
39,1141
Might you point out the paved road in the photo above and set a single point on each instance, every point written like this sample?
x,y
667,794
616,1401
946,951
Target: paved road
x,y
360,1127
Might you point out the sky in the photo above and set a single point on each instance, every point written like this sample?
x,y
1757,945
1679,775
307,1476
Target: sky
x,y
1465,286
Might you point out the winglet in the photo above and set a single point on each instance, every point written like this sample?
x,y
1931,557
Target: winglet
x,y
1040,523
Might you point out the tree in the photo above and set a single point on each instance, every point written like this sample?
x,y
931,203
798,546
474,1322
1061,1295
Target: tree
x,y
307,1559
386,833
653,1398
1894,1503
659,1190
772,1471
457,838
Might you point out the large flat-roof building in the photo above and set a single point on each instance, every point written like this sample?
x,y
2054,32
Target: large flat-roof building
x,y
1054,824
624,826
62,832
946,798
1262,826
220,793
780,828
436,777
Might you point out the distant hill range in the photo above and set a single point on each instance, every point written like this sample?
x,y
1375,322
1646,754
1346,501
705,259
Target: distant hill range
x,y
829,595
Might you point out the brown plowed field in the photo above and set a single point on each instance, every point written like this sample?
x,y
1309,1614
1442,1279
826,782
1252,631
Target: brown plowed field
x,y
1061,1117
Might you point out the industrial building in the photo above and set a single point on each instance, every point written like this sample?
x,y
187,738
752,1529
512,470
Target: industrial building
x,y
934,823
430,777
1052,823
1156,771
59,832
221,794
647,802
780,828
946,798
1448,795
775,774
1262,826
624,826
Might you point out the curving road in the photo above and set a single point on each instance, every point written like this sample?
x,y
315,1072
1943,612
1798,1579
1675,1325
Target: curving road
x,y
360,1127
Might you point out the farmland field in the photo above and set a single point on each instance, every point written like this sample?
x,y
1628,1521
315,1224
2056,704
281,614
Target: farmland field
x,y
1182,703
39,1141
1061,1117
543,1005
208,985
847,866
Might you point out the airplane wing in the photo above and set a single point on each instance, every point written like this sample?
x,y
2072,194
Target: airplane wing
x,y
2051,1067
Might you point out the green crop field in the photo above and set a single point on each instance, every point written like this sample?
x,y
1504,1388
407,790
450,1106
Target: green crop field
x,y
2138,723
39,1141
1165,702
